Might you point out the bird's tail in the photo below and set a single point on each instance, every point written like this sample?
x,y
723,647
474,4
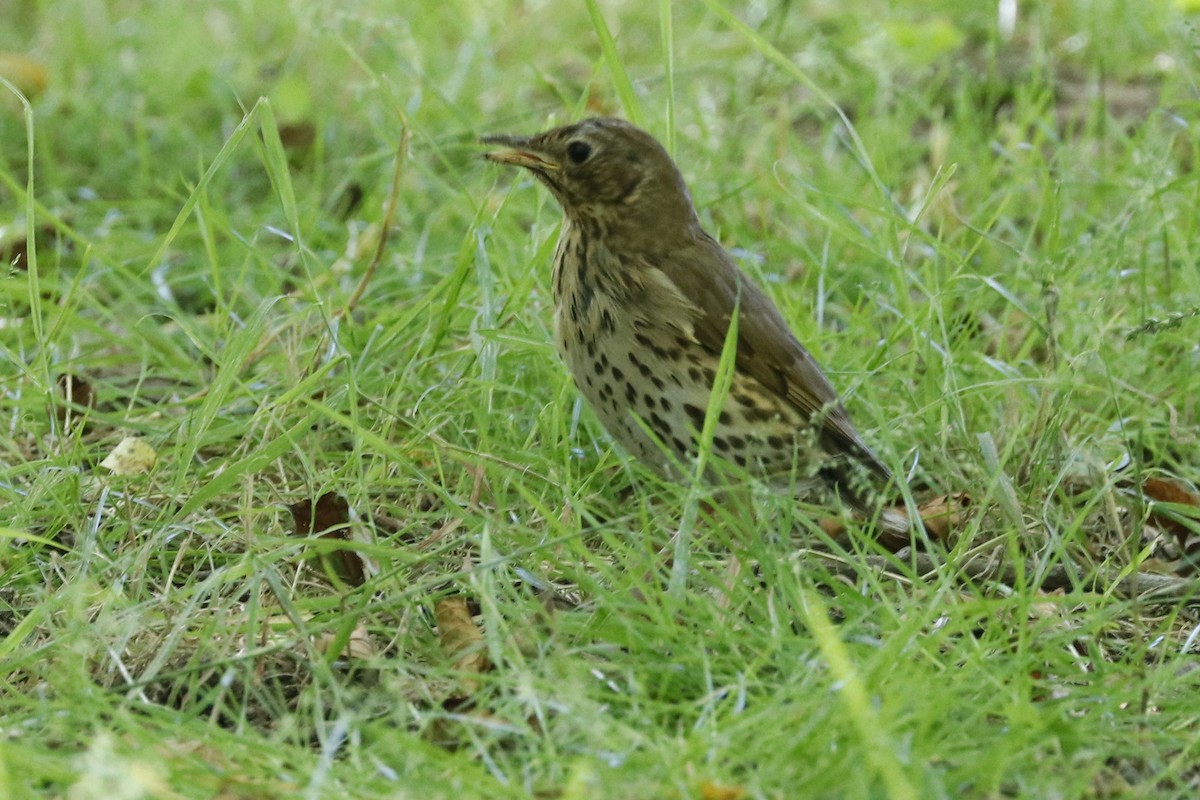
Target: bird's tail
x,y
894,529
857,484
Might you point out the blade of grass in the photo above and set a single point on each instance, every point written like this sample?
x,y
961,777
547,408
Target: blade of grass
x,y
667,30
275,161
273,152
31,262
691,509
616,69
853,692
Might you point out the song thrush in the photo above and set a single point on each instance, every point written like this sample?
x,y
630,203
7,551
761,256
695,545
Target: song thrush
x,y
643,300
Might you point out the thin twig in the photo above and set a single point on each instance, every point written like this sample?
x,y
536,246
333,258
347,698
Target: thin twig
x,y
388,217
1136,585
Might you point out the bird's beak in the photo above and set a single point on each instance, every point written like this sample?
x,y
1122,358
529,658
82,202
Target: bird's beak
x,y
519,151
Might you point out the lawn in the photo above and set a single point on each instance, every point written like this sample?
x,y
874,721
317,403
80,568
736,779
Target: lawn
x,y
297,499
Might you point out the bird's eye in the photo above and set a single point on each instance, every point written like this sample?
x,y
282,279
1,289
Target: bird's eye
x,y
578,152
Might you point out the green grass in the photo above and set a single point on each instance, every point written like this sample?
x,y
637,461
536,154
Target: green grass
x,y
963,227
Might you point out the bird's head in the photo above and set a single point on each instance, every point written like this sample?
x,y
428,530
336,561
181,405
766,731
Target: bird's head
x,y
603,169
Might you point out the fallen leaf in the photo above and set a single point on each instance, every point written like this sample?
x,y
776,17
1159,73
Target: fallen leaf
x,y
330,510
943,515
131,456
1047,609
24,72
717,791
348,200
461,639
832,527
358,646
75,392
1165,490
14,244
14,252
329,516
297,135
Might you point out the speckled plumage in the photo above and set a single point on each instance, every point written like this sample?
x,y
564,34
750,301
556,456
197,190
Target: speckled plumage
x,y
643,301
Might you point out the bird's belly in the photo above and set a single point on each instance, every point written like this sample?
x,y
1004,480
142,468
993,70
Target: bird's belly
x,y
650,385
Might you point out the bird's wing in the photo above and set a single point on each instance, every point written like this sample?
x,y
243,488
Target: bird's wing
x,y
766,347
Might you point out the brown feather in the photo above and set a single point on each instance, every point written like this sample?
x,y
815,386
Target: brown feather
x,y
766,348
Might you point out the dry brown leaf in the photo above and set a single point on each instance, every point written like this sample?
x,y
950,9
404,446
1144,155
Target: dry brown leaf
x,y
349,200
941,516
832,527
14,245
449,527
297,135
329,516
330,510
1047,609
26,73
359,645
717,791
1163,566
944,515
461,639
74,391
131,456
1165,490
14,252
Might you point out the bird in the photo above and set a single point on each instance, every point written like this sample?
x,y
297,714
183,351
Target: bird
x,y
643,302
